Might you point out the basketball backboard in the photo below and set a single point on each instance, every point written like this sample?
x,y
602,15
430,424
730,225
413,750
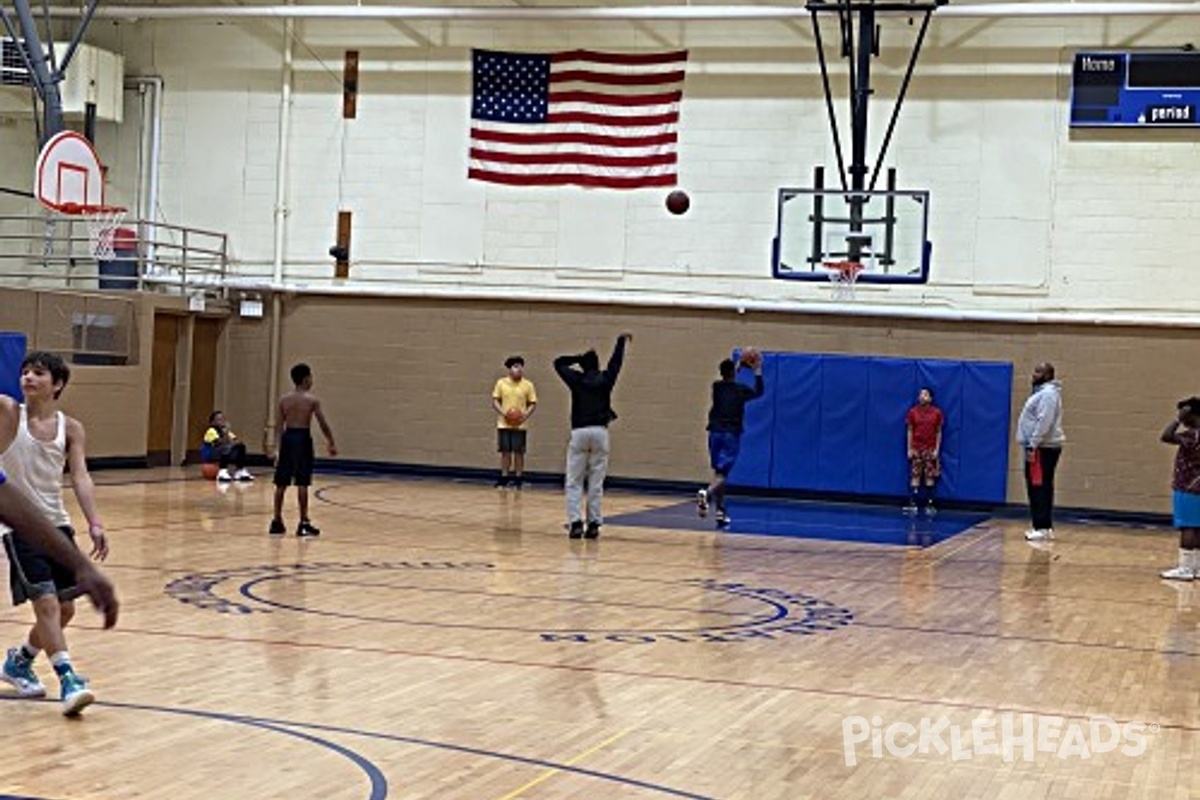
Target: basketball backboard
x,y
68,173
885,232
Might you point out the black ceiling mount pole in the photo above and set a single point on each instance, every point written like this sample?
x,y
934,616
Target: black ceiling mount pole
x,y
858,50
912,63
45,77
833,123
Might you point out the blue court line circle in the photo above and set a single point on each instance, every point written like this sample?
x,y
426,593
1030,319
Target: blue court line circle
x,y
247,591
379,784
306,731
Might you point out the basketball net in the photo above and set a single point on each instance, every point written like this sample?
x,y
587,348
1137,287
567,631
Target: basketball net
x,y
102,222
843,275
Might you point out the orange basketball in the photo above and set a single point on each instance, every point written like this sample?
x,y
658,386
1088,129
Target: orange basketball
x,y
514,417
678,202
209,471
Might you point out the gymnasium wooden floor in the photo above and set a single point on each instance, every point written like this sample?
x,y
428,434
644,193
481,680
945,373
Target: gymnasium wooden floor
x,y
446,640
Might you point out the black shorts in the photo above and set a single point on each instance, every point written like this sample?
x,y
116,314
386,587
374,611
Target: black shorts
x,y
511,440
294,462
33,574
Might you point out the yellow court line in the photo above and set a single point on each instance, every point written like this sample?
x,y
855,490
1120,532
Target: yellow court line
x,y
550,773
981,537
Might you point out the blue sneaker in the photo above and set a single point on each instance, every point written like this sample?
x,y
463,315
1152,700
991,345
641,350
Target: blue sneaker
x,y
76,696
19,672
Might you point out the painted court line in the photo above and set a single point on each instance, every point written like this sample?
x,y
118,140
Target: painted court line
x,y
550,773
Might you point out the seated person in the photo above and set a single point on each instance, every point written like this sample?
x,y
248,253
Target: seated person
x,y
222,445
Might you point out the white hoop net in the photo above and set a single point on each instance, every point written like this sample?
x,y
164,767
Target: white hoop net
x,y
844,276
102,223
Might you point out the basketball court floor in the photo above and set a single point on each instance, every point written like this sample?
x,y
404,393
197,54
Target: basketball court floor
x,y
446,640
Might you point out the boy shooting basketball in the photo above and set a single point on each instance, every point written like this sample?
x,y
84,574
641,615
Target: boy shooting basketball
x,y
725,425
514,400
39,441
1186,487
294,456
924,422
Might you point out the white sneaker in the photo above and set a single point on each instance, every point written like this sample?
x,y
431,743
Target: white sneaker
x,y
1179,574
702,502
1039,536
243,475
224,475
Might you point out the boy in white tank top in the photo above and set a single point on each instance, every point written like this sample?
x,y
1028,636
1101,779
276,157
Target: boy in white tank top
x,y
41,442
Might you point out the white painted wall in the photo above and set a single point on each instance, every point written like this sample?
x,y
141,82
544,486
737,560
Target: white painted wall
x,y
1025,214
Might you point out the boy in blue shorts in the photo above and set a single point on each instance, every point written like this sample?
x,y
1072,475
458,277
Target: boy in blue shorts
x,y
725,423
1185,484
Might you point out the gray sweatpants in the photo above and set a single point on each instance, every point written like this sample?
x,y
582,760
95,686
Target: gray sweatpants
x,y
587,456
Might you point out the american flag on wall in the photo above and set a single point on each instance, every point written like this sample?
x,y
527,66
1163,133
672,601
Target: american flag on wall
x,y
578,117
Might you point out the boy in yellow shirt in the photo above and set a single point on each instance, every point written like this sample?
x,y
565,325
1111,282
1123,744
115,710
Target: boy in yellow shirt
x,y
226,449
514,400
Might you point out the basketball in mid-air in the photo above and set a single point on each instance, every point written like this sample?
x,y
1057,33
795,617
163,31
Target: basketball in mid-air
x,y
750,357
678,202
514,417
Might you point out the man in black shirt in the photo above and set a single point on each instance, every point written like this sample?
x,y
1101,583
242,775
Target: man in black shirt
x,y
591,411
725,420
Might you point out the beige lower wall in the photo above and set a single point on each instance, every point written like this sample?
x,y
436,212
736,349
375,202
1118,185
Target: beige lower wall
x,y
408,381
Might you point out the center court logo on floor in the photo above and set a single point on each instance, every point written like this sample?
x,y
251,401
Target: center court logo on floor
x,y
704,610
197,589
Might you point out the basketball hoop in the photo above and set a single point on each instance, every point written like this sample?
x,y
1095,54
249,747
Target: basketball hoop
x,y
102,222
843,275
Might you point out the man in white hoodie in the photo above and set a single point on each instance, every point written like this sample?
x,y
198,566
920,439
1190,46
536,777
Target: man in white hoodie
x,y
1040,433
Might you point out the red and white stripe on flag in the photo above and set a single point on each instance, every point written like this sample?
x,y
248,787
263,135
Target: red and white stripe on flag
x,y
579,117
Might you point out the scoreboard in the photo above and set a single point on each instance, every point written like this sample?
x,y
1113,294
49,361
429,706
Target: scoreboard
x,y
1135,88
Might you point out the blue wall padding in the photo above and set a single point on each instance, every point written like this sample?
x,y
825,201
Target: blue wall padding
x,y
832,423
12,352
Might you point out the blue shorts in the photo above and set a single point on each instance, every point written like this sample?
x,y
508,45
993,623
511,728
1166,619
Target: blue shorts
x,y
723,449
1187,509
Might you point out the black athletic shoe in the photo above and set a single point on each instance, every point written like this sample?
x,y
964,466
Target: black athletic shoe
x,y
575,530
593,531
306,528
277,527
519,484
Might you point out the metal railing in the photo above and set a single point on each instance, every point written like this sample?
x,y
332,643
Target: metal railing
x,y
50,250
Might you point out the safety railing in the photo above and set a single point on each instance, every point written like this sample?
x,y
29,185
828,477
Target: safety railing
x,y
53,251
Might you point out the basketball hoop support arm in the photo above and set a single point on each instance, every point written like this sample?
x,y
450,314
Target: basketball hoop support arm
x,y
859,55
45,77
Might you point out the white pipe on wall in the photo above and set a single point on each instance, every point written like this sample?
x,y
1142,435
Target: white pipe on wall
x,y
1125,319
280,238
631,13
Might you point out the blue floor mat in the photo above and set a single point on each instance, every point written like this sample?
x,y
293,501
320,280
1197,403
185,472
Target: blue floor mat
x,y
812,520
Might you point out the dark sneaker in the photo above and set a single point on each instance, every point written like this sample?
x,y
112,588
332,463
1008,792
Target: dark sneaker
x,y
593,531
277,527
575,530
519,484
723,519
306,528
